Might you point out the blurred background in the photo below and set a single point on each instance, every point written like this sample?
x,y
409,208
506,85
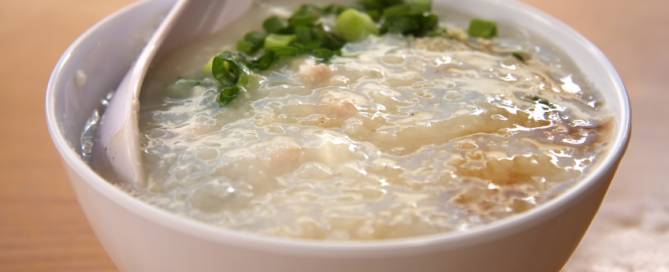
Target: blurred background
x,y
42,227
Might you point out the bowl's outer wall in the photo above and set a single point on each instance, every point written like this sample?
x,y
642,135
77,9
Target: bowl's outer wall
x,y
137,242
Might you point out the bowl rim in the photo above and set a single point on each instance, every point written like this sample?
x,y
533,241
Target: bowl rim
x,y
414,245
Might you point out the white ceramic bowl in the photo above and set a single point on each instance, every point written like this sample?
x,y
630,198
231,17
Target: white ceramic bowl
x,y
140,237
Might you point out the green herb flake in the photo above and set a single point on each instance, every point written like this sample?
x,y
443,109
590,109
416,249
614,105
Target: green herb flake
x,y
286,51
482,28
420,6
275,24
413,18
333,9
224,71
304,35
521,56
328,39
278,40
245,46
255,37
227,94
428,23
231,72
306,15
265,61
401,25
378,4
228,68
354,25
251,42
324,54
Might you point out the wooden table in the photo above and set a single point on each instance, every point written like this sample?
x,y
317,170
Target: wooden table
x,y
43,229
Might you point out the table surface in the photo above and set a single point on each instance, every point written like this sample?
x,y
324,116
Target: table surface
x,y
42,227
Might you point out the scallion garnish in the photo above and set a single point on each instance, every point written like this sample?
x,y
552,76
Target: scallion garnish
x,y
245,46
306,15
231,72
333,9
521,56
264,61
275,24
227,94
251,42
304,33
277,40
375,7
353,25
412,18
482,28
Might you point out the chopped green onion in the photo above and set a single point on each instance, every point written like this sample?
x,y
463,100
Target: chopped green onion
x,y
265,61
286,51
416,25
277,40
306,15
231,72
324,54
420,6
482,28
396,11
224,71
375,14
304,34
228,69
328,39
256,37
333,9
228,94
378,4
354,25
245,46
413,18
521,56
401,24
428,23
275,24
252,42
416,8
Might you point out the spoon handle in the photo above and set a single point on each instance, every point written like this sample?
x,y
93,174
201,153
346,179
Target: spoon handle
x,y
119,128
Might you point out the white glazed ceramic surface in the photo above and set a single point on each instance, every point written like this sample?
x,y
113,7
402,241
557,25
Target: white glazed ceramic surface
x,y
140,237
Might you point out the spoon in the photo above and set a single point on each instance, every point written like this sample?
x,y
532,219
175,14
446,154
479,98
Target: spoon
x,y
118,146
